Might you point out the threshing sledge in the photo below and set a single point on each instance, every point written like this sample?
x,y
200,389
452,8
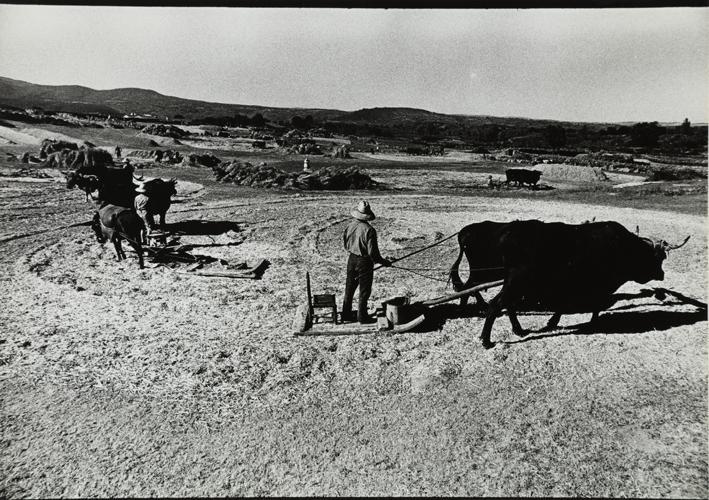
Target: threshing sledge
x,y
161,251
319,316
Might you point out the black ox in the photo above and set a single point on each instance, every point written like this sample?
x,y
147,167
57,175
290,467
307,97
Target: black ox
x,y
119,186
114,186
159,193
480,243
521,176
562,268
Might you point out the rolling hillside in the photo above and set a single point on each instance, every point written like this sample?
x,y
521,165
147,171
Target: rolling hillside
x,y
74,98
382,121
78,99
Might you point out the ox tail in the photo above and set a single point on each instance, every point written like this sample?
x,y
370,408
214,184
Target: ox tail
x,y
453,273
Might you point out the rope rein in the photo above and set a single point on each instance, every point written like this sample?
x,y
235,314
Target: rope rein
x,y
408,270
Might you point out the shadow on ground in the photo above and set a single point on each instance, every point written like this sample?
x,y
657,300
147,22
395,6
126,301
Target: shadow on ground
x,y
627,323
623,319
202,227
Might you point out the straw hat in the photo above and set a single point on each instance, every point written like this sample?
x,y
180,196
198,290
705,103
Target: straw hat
x,y
362,211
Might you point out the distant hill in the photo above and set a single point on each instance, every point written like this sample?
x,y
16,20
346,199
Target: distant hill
x,y
386,115
74,98
78,99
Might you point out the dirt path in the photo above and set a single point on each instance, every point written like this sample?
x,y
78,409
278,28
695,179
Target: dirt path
x,y
117,381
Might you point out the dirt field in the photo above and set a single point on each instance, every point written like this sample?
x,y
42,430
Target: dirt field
x,y
117,381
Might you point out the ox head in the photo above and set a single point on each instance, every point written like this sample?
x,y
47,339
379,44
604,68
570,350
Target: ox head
x,y
658,252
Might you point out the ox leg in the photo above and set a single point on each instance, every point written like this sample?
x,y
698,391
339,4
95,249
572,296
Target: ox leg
x,y
96,227
119,249
516,327
162,220
553,322
493,311
478,300
507,298
139,250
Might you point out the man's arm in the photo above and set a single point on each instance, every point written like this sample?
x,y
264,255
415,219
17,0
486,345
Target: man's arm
x,y
373,249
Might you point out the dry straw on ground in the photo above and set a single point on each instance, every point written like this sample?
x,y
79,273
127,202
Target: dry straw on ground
x,y
328,178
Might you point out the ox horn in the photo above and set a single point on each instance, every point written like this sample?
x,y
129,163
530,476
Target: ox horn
x,y
137,180
675,247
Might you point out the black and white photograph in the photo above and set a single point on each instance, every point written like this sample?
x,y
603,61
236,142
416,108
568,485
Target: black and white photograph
x,y
321,250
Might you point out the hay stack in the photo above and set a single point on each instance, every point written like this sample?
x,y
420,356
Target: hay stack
x,y
49,146
79,158
574,173
329,178
157,155
197,160
165,131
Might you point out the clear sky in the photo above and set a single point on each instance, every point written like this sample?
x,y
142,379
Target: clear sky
x,y
570,64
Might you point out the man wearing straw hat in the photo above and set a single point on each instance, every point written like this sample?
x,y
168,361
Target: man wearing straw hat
x,y
140,203
360,240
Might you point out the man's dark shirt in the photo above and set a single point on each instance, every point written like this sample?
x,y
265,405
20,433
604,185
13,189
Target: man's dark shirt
x,y
361,239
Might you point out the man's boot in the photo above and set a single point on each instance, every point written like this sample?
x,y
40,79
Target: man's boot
x,y
364,318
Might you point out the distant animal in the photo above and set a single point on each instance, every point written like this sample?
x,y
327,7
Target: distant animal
x,y
569,268
159,193
87,183
113,223
522,176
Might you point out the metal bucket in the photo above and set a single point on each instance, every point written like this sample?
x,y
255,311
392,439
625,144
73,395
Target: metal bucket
x,y
397,310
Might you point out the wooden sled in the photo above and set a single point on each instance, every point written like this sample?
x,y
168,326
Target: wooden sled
x,y
254,272
357,329
393,316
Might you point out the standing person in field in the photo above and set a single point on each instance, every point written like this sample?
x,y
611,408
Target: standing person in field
x,y
360,240
141,204
118,151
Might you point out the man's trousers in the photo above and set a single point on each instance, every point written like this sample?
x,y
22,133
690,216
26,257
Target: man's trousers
x,y
360,273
